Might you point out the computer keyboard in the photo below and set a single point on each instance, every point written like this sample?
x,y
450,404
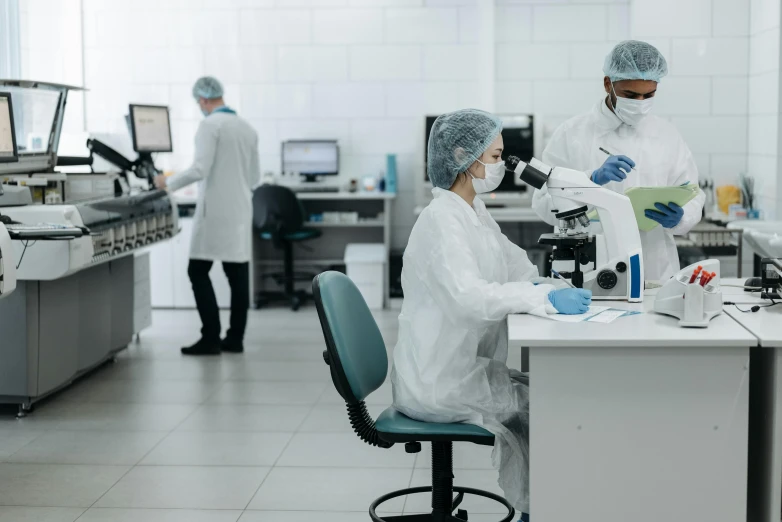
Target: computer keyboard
x,y
317,188
42,230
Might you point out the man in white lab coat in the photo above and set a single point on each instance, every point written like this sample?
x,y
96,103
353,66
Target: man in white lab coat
x,y
226,166
644,150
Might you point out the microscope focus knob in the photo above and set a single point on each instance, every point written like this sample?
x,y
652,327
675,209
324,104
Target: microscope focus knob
x,y
621,267
607,279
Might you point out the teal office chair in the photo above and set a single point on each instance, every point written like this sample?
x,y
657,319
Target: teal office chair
x,y
356,355
279,217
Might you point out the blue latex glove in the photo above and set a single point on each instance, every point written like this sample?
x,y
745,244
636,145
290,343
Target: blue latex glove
x,y
571,301
615,168
668,216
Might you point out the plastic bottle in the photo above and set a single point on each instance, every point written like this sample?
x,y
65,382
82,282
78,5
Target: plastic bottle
x,y
391,173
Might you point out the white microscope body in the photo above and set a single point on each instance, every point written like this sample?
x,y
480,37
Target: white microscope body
x,y
618,259
7,264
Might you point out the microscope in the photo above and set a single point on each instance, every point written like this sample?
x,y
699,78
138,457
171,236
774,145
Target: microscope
x,y
616,257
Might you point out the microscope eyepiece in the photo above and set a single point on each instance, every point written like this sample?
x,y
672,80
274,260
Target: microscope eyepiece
x,y
511,163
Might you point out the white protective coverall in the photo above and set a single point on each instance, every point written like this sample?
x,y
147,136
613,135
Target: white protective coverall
x,y
227,167
661,156
461,278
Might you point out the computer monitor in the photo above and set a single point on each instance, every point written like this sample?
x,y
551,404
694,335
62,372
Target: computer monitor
x,y
311,158
8,151
518,140
150,127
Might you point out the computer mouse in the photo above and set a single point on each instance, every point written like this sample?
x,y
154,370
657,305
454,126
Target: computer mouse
x,y
752,284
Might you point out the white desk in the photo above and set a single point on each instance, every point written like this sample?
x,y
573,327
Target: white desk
x,y
389,196
737,295
343,201
766,325
509,214
330,249
637,420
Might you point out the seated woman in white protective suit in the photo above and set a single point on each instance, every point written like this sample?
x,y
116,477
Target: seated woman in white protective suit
x,y
461,278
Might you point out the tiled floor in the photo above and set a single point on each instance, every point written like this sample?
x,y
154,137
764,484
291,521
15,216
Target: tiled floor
x,y
258,437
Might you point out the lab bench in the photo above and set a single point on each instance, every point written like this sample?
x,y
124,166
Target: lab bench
x,y
710,240
765,450
638,419
371,223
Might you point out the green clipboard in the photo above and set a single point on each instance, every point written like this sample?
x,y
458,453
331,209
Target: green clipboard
x,y
644,198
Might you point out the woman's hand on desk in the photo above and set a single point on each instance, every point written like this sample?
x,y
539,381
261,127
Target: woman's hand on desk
x,y
571,301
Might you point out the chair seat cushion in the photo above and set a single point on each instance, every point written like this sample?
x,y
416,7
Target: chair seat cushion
x,y
299,235
396,427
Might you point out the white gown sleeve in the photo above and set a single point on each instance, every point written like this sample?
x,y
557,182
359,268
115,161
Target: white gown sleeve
x,y
520,268
450,271
687,171
205,148
556,154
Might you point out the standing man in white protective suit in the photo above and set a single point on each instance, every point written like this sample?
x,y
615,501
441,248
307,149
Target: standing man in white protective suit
x,y
646,150
461,278
226,166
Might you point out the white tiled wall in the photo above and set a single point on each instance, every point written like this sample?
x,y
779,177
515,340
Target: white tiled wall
x,y
367,71
763,161
51,49
549,56
706,44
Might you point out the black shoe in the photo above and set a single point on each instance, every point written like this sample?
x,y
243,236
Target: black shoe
x,y
231,346
202,347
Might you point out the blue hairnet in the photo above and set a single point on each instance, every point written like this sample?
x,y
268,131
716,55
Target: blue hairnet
x,y
458,139
634,60
207,87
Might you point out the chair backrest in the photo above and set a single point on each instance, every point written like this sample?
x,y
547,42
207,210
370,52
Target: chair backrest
x,y
277,209
355,348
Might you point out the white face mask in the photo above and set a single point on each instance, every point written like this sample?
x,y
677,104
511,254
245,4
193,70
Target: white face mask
x,y
631,111
495,173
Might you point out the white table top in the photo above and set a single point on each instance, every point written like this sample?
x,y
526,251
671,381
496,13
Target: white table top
x,y
765,324
505,214
648,329
345,195
734,294
184,200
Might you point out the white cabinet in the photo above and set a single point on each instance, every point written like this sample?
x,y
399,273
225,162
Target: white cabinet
x,y
142,301
162,277
170,283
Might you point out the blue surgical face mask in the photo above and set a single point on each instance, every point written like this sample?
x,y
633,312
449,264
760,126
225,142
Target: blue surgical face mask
x,y
204,112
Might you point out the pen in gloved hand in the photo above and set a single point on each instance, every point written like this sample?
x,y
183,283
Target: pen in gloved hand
x,y
609,154
557,274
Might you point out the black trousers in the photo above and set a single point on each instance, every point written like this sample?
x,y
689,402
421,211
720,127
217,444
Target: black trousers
x,y
239,279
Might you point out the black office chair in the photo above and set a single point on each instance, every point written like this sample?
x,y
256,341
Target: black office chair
x,y
357,357
279,217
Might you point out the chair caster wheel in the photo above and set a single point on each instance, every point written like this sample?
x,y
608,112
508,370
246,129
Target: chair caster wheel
x,y
462,515
295,303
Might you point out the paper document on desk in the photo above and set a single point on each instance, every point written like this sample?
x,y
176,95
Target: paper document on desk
x,y
596,314
610,315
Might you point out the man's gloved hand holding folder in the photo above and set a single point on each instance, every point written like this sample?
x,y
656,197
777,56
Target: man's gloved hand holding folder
x,y
644,198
